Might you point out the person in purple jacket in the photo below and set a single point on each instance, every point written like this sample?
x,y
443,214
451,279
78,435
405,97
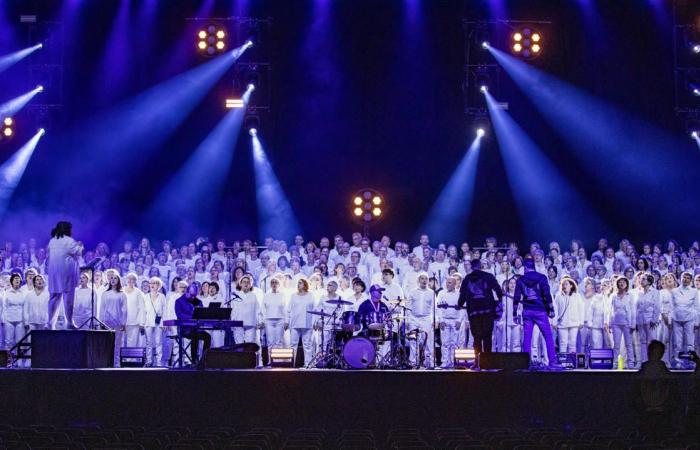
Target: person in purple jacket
x,y
533,290
184,309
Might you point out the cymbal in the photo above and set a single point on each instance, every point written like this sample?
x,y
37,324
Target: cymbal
x,y
338,302
320,313
396,301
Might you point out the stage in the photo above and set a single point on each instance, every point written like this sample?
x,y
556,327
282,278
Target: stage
x,y
334,400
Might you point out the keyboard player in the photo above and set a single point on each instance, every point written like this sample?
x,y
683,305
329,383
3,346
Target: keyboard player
x,y
184,309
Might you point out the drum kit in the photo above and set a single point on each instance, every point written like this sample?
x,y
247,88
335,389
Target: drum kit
x,y
378,340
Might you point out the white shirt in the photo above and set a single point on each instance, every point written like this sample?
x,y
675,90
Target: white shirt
x,y
247,309
449,314
421,302
571,311
36,308
622,310
274,305
135,307
392,291
685,304
14,305
648,307
113,309
153,307
599,312
298,307
82,308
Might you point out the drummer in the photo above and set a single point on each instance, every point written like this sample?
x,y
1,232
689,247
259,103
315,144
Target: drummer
x,y
368,308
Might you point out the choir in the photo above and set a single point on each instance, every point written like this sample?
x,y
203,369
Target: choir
x,y
620,298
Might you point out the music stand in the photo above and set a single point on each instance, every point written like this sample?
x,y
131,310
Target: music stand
x,y
91,267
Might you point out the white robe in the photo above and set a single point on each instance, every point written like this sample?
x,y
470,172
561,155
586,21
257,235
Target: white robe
x,y
62,265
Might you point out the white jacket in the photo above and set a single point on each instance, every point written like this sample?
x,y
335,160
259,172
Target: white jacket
x,y
36,308
298,308
449,315
685,304
274,306
14,306
247,309
153,308
622,311
135,306
570,310
600,312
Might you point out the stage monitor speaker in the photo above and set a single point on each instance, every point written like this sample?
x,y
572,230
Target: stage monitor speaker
x,y
505,361
4,358
600,358
72,349
226,359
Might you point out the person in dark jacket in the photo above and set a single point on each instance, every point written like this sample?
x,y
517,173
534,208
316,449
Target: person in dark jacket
x,y
533,290
477,293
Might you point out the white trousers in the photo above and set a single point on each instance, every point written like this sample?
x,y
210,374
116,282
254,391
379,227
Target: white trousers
x,y
244,335
597,338
499,337
646,334
133,333
449,335
118,344
154,342
274,329
683,336
538,349
620,331
664,335
512,342
567,339
425,339
14,331
306,335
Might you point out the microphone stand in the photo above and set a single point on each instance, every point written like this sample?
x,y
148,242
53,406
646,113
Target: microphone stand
x,y
92,319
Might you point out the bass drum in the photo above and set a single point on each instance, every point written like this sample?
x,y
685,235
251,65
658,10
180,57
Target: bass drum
x,y
359,353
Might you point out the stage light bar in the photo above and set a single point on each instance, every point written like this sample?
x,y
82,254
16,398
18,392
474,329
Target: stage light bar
x,y
366,206
281,357
211,40
526,42
232,103
464,357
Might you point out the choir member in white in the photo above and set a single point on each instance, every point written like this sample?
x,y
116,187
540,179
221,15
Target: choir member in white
x,y
570,307
450,318
153,317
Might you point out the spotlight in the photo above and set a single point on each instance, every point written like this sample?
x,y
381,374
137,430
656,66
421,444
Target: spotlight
x,y
484,89
40,45
480,132
248,43
526,42
376,212
253,132
42,131
485,45
40,88
357,201
696,92
694,134
357,212
8,128
211,40
377,200
251,87
696,49
234,103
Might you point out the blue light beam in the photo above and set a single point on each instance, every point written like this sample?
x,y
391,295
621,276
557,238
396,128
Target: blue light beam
x,y
9,60
448,218
275,215
12,107
12,170
549,207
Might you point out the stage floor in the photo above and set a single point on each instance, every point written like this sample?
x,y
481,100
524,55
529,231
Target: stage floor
x,y
291,399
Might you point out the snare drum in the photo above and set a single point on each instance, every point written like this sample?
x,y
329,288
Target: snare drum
x,y
359,353
350,322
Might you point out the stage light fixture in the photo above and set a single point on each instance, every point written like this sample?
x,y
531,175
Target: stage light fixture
x,y
232,103
253,132
480,132
696,92
358,212
251,87
248,43
211,40
281,357
357,201
485,45
377,200
696,49
8,128
376,212
484,89
694,134
42,131
526,42
365,207
40,88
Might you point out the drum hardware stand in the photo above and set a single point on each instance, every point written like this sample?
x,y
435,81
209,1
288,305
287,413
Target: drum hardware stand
x,y
323,358
399,358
